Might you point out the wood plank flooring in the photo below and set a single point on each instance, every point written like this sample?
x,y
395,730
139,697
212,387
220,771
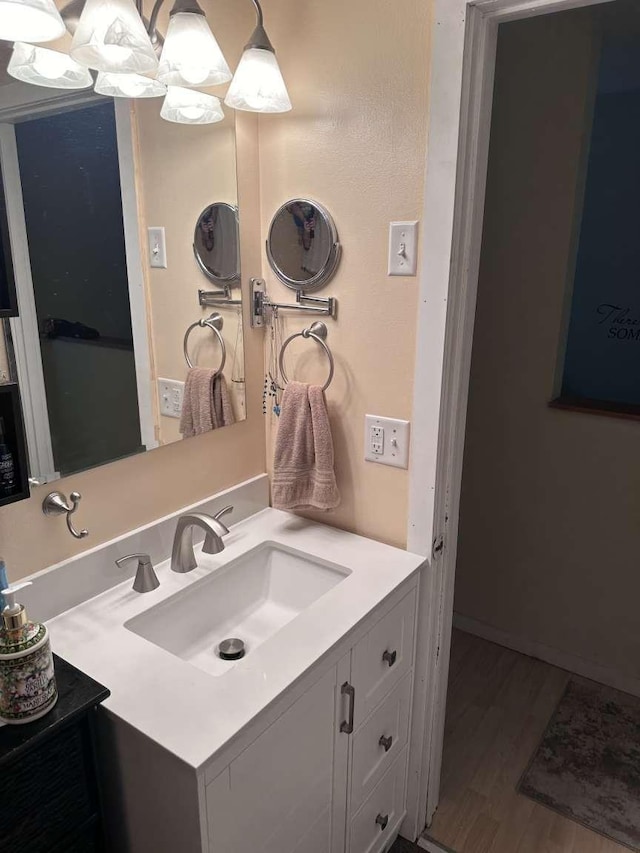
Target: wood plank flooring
x,y
498,706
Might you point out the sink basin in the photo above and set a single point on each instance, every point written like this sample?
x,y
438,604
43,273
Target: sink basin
x,y
250,598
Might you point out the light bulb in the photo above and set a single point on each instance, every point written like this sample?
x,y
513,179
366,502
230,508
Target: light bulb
x,y
257,85
30,20
42,66
191,56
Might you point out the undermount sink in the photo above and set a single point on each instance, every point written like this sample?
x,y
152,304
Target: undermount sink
x,y
250,598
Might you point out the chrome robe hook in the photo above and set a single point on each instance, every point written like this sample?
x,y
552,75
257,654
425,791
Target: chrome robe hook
x,y
56,503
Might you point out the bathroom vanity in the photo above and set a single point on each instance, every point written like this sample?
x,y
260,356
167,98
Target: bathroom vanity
x,y
302,744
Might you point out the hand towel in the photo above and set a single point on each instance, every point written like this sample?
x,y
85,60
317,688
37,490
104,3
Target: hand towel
x,y
303,474
222,408
197,411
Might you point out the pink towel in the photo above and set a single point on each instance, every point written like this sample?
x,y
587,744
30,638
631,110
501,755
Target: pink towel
x,y
303,473
196,416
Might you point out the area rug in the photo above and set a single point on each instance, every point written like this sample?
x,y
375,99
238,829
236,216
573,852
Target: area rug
x,y
587,766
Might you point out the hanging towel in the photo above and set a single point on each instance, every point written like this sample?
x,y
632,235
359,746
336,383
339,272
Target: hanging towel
x,y
197,409
222,408
303,473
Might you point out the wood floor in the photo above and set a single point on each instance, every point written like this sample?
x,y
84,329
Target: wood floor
x,y
498,706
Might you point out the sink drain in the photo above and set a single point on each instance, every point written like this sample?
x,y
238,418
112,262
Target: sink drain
x,y
231,649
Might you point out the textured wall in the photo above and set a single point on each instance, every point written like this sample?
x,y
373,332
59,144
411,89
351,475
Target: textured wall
x,y
357,75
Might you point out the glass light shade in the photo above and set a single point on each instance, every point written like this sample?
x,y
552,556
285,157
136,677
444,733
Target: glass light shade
x,y
187,106
128,86
45,67
191,55
30,20
258,85
111,37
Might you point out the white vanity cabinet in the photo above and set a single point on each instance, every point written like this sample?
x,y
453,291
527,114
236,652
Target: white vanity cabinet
x,y
329,774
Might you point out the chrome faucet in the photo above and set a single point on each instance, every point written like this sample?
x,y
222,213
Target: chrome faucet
x,y
183,558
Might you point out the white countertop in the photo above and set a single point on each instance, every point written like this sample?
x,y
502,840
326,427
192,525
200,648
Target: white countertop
x,y
187,711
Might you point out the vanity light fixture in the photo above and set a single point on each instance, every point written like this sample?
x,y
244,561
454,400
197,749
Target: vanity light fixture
x,y
258,85
30,20
191,56
187,106
43,66
128,86
112,37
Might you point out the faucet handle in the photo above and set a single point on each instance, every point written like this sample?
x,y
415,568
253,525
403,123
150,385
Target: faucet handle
x,y
146,578
218,515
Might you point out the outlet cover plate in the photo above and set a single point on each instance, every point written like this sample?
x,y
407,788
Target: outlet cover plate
x,y
391,436
171,394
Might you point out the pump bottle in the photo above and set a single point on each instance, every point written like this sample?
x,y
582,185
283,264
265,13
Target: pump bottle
x,y
27,679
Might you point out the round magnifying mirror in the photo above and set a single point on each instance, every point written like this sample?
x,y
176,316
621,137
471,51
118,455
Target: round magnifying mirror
x,y
302,246
216,245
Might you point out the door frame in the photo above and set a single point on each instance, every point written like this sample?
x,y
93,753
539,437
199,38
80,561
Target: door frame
x,y
463,57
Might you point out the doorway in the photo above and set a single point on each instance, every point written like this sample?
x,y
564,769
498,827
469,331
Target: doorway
x,y
530,297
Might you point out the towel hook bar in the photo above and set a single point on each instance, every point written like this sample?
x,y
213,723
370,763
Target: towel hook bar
x,y
318,332
214,322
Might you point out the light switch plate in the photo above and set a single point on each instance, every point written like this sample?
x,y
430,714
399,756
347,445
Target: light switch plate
x,y
386,441
403,248
171,393
157,247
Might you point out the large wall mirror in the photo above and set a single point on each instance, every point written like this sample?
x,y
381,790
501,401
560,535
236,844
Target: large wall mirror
x,y
98,348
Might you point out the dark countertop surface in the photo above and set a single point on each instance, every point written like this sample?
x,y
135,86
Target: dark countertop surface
x,y
76,694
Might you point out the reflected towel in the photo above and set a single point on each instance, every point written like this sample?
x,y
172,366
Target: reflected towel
x,y
303,473
197,410
222,408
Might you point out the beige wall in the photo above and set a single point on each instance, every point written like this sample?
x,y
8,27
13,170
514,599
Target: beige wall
x,y
551,499
358,77
355,141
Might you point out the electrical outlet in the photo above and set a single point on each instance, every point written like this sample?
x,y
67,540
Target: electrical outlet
x,y
386,441
171,393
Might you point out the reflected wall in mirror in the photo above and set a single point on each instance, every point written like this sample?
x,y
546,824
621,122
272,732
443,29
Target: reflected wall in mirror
x,y
302,245
216,244
98,347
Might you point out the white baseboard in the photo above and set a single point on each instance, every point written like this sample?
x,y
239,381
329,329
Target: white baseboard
x,y
432,846
556,657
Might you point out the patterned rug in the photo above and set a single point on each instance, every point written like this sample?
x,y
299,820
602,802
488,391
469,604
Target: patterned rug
x,y
587,766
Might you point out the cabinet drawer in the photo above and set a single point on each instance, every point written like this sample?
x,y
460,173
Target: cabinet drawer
x,y
383,657
379,741
372,826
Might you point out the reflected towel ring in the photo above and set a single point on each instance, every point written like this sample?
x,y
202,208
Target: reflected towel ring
x,y
317,331
214,322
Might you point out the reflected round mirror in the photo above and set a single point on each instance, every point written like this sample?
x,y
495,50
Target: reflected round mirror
x,y
302,246
216,244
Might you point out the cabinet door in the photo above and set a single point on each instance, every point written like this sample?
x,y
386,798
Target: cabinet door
x,y
279,793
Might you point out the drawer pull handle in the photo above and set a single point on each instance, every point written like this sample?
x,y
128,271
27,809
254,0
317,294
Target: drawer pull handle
x,y
389,657
347,690
382,820
386,742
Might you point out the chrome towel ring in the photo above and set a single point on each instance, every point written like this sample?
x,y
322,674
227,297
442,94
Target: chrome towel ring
x,y
214,322
317,331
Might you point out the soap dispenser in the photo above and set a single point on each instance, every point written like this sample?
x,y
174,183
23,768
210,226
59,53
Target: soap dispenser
x,y
27,679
